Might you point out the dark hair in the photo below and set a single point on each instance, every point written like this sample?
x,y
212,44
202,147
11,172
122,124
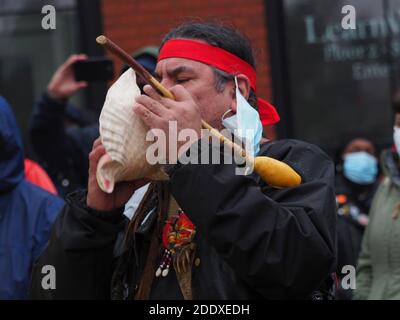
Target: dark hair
x,y
223,37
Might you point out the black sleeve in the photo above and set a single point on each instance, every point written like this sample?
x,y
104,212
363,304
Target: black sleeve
x,y
81,251
48,133
282,242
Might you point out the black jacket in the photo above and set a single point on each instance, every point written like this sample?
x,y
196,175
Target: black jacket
x,y
358,198
62,151
254,241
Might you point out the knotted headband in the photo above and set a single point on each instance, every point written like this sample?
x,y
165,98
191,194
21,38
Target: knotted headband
x,y
220,59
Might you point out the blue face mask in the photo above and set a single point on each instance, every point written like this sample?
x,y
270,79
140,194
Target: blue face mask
x,y
245,124
360,167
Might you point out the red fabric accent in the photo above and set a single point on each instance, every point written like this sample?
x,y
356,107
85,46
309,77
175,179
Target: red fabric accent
x,y
208,54
220,59
177,231
36,175
267,112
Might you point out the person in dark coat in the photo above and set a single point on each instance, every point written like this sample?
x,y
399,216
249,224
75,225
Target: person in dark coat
x,y
63,151
356,184
207,233
27,212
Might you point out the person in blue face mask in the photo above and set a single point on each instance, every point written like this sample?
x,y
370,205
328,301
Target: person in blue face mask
x,y
356,183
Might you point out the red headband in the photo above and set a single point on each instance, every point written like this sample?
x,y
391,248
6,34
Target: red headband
x,y
220,59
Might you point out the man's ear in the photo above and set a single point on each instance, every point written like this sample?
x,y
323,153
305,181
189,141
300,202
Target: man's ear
x,y
244,88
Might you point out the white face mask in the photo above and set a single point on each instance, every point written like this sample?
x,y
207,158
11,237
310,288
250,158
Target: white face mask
x,y
245,124
396,139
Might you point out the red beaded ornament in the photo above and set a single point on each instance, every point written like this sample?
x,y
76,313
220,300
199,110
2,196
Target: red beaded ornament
x,y
178,231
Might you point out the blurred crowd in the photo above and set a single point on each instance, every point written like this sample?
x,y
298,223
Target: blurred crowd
x,y
32,194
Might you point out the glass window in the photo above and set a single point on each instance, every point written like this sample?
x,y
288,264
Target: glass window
x,y
29,55
342,80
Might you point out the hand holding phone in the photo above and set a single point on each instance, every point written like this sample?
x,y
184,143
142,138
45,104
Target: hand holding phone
x,y
63,84
75,73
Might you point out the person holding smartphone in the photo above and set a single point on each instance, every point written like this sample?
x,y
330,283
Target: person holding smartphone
x,y
63,150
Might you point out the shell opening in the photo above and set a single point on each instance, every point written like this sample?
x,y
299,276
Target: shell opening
x,y
105,178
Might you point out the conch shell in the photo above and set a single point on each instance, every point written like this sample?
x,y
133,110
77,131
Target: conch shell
x,y
123,135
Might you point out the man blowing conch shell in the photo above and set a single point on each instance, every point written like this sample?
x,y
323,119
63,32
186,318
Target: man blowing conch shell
x,y
206,232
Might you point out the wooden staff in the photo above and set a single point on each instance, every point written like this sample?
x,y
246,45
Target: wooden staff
x,y
272,171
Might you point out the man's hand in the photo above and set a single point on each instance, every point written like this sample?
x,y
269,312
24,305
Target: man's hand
x,y
166,114
99,200
63,84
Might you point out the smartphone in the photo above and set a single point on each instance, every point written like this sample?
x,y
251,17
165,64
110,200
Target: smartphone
x,y
94,69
